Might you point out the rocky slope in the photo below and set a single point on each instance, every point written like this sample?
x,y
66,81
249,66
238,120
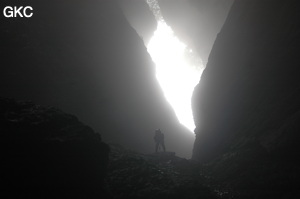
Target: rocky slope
x,y
84,58
46,153
159,175
246,106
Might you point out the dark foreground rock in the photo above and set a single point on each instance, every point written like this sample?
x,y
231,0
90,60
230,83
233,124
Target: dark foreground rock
x,y
46,153
164,175
158,175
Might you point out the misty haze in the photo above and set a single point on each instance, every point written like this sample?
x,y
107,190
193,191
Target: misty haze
x,y
149,99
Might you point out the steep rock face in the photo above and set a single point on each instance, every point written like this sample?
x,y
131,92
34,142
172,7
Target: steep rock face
x,y
85,58
250,85
246,106
140,17
196,22
48,153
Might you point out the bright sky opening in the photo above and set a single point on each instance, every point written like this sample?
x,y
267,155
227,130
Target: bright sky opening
x,y
178,68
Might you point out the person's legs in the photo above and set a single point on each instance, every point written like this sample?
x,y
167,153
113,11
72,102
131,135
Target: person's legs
x,y
163,146
156,146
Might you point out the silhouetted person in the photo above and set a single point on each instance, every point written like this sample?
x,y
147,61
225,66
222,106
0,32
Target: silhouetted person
x,y
159,139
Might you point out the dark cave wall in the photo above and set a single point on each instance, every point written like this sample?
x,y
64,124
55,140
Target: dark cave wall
x,y
85,58
140,17
248,96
